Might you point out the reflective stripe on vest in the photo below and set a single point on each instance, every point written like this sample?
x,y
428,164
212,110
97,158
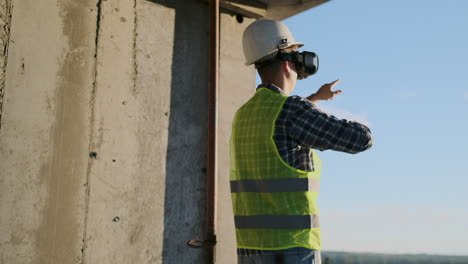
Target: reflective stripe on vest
x,y
277,221
276,185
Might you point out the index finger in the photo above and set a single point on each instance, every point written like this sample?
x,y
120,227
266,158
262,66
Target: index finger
x,y
335,83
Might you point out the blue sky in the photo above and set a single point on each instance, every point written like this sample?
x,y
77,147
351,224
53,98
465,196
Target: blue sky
x,y
403,67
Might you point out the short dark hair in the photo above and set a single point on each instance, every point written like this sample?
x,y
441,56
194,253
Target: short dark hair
x,y
271,67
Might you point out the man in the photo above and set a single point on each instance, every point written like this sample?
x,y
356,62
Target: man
x,y
275,171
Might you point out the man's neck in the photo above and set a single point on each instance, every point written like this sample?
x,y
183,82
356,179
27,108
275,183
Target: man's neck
x,y
280,84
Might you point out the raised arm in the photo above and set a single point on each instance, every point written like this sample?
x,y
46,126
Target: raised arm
x,y
316,129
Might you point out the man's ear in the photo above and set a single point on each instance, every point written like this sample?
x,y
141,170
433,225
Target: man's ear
x,y
286,66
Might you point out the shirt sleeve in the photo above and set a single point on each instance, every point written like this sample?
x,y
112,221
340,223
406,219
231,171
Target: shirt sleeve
x,y
316,129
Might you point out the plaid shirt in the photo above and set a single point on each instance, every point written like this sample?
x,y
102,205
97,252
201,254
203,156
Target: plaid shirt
x,y
301,126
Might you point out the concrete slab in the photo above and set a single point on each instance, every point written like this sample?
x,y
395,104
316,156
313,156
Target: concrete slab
x,y
147,184
113,226
45,131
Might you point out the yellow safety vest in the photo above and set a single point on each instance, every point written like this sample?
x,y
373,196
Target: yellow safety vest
x,y
275,204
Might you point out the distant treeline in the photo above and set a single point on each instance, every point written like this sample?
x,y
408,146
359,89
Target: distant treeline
x,y
334,257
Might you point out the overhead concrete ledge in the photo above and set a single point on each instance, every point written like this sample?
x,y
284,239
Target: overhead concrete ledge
x,y
274,9
282,9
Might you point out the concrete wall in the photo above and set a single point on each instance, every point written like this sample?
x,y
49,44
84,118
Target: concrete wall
x,y
149,133
237,85
46,131
103,130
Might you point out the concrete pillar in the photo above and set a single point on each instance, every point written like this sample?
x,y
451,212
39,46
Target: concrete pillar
x,y
148,182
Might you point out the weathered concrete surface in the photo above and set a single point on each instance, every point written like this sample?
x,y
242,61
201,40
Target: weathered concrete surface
x,y
147,184
186,161
5,24
126,209
112,226
103,152
237,85
45,131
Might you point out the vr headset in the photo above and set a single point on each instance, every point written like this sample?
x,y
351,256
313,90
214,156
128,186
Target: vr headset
x,y
306,62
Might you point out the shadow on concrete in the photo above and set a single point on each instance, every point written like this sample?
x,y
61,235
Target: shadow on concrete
x,y
185,193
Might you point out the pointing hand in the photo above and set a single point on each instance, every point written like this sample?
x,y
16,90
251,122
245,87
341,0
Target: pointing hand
x,y
325,92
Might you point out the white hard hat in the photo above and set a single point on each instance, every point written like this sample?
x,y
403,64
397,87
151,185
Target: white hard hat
x,y
263,38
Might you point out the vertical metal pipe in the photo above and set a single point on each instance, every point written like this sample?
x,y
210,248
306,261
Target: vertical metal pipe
x,y
213,72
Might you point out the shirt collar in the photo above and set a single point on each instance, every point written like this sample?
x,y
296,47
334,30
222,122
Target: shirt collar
x,y
271,87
